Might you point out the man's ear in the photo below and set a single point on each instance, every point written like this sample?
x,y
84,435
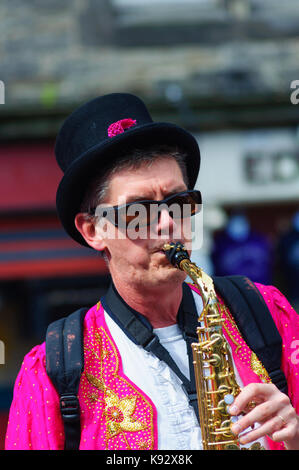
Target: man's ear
x,y
87,227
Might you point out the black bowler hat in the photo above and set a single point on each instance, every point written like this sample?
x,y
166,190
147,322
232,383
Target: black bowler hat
x,y
94,136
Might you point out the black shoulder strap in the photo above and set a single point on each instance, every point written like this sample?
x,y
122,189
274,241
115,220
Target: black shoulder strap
x,y
255,323
140,331
64,366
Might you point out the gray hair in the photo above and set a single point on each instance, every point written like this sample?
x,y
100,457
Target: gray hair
x,y
99,185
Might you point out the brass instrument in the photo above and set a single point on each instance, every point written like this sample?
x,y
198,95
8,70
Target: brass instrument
x,y
216,384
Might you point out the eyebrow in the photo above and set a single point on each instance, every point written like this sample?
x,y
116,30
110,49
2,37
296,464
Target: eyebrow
x,y
136,198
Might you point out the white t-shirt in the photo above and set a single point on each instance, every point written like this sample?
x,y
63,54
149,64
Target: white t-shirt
x,y
178,427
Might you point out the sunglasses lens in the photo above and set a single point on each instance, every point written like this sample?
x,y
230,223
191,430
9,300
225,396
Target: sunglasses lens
x,y
146,213
136,215
184,205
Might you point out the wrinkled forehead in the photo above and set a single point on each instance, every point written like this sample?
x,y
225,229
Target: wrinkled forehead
x,y
149,180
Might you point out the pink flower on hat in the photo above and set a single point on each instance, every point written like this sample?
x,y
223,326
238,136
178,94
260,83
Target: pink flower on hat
x,y
119,127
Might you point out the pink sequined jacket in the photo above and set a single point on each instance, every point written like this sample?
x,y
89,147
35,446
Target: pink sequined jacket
x,y
115,413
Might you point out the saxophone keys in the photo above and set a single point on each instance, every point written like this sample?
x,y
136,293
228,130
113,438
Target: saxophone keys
x,y
231,446
222,407
215,360
209,377
234,419
229,399
256,446
226,429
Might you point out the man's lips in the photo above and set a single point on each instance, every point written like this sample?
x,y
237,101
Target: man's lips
x,y
158,251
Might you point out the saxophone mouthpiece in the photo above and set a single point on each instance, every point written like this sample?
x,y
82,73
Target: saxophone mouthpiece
x,y
175,252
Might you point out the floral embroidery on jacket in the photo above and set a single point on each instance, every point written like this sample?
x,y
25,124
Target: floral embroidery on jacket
x,y
125,414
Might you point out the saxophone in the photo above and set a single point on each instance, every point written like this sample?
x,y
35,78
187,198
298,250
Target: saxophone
x,y
216,384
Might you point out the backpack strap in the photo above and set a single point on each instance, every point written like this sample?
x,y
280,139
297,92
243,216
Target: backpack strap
x,y
255,323
64,366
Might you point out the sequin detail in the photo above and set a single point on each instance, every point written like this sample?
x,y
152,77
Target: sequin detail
x,y
238,345
258,368
124,415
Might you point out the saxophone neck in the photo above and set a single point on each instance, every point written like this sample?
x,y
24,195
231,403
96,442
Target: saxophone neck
x,y
201,280
179,257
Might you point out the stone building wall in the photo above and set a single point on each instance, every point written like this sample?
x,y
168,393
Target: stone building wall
x,y
216,63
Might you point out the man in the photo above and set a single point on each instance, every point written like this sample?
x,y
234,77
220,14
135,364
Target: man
x,y
117,162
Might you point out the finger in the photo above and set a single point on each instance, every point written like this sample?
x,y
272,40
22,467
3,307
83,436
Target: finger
x,y
286,433
268,428
253,392
259,414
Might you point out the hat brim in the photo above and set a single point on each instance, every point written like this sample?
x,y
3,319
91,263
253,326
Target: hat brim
x,y
73,185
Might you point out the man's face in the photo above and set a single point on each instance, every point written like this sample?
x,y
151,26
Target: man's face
x,y
140,260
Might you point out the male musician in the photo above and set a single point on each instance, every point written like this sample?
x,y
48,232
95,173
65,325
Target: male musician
x,y
117,162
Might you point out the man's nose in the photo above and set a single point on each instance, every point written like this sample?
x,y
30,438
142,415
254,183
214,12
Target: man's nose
x,y
166,223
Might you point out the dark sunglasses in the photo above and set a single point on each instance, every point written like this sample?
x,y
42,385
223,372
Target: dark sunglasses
x,y
145,213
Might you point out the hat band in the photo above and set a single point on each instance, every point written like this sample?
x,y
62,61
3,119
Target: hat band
x,y
119,127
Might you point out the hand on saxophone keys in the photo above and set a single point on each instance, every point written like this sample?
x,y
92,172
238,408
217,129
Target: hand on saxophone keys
x,y
264,404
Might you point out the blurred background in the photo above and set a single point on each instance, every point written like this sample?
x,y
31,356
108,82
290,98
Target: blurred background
x,y
221,68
